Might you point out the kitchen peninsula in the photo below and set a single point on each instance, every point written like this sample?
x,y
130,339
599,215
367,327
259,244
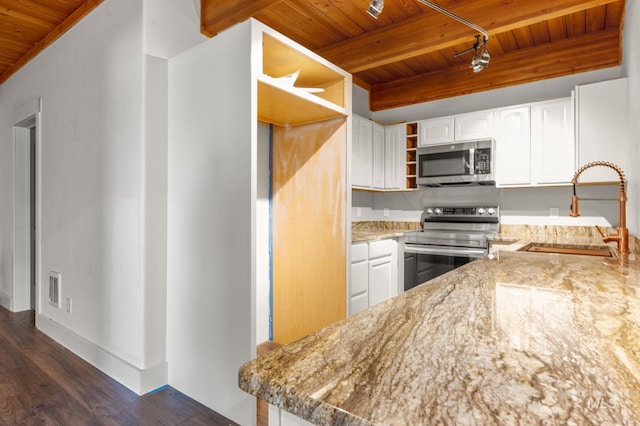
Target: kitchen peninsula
x,y
513,338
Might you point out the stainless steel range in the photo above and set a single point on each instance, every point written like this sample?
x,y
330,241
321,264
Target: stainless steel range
x,y
450,237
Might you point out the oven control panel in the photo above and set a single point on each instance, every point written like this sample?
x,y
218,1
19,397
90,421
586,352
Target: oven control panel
x,y
462,211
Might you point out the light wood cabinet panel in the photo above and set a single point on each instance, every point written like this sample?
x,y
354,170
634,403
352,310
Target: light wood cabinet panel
x,y
309,262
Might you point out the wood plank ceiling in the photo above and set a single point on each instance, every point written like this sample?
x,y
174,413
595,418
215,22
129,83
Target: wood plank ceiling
x,y
406,56
27,27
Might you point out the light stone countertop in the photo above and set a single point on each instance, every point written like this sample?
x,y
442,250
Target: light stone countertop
x,y
519,338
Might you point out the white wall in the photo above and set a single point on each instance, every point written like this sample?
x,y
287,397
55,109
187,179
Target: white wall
x,y
171,27
631,35
211,222
93,184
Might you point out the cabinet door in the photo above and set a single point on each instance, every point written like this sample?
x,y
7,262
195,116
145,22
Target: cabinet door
x,y
434,131
513,146
394,158
359,280
383,270
552,142
378,156
476,125
380,273
409,271
359,291
362,149
602,128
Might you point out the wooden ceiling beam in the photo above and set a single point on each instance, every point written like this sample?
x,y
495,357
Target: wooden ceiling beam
x,y
80,12
218,15
431,31
594,51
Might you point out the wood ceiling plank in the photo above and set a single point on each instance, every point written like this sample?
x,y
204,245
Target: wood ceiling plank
x,y
524,38
292,23
217,15
30,12
79,13
540,33
615,11
347,19
507,40
557,29
564,57
576,24
595,19
415,35
49,10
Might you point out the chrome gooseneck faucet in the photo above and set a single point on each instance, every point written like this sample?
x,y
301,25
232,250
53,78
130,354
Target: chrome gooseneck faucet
x,y
621,237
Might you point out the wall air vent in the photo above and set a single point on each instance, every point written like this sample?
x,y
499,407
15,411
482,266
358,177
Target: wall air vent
x,y
54,289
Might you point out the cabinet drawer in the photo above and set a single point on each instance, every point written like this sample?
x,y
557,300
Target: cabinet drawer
x,y
359,252
381,248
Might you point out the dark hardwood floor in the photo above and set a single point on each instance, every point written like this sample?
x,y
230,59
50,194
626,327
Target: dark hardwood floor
x,y
42,383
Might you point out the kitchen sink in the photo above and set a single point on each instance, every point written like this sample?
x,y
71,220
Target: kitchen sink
x,y
602,251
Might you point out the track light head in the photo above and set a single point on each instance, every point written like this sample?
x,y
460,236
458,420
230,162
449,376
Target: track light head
x,y
480,58
375,8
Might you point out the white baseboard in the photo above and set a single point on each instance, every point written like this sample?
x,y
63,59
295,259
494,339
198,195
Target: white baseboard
x,y
5,300
139,380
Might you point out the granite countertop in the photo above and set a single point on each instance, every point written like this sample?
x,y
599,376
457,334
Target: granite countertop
x,y
513,338
380,230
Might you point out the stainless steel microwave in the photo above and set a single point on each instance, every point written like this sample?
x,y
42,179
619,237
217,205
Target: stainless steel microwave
x,y
460,163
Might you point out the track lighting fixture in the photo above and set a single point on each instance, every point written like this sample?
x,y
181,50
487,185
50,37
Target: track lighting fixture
x,y
375,8
481,55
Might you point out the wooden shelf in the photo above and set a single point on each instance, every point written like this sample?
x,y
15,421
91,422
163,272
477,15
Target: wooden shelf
x,y
288,104
411,154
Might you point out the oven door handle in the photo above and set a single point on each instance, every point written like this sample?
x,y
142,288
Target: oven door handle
x,y
445,251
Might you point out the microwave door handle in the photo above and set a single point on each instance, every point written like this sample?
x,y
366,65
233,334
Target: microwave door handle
x,y
471,162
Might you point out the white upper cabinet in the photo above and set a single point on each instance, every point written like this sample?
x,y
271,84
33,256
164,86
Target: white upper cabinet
x,y
475,125
461,127
602,128
378,156
513,146
552,142
394,155
362,158
435,130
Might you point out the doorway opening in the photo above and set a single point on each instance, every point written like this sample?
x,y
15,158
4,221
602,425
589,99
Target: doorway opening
x,y
25,272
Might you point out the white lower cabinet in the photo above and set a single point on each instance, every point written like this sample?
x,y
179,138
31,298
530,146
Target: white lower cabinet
x,y
359,287
281,417
374,273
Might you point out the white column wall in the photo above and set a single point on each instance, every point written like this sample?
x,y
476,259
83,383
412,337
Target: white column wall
x,y
211,234
92,183
631,34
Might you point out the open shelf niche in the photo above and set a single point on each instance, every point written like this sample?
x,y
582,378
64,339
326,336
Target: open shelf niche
x,y
319,93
